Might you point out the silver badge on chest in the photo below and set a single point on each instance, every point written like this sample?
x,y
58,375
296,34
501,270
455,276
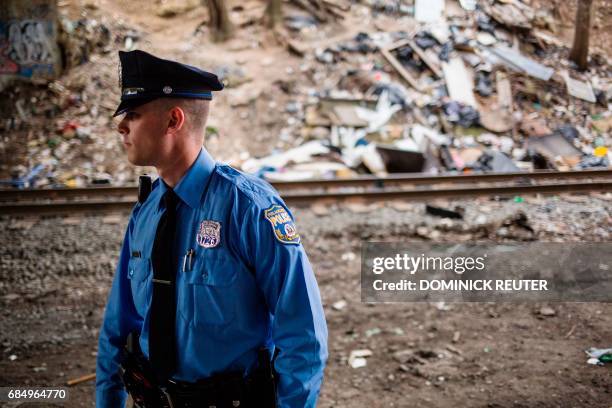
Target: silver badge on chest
x,y
209,234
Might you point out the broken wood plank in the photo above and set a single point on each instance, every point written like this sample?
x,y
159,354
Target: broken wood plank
x,y
419,52
81,379
400,69
435,69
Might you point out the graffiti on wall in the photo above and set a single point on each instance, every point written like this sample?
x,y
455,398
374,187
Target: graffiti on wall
x,y
26,48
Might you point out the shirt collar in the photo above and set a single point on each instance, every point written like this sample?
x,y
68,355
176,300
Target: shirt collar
x,y
191,186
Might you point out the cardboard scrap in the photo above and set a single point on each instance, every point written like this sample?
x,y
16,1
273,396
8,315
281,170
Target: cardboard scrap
x,y
497,117
579,89
554,147
346,115
459,82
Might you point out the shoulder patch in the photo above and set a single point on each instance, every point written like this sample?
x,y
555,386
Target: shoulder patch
x,y
282,225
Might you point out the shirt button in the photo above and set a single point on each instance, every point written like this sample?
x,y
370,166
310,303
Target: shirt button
x,y
131,273
205,275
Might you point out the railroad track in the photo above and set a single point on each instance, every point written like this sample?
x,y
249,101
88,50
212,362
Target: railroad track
x,y
368,188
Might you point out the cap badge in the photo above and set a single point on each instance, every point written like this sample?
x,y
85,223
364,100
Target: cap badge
x,y
167,89
132,91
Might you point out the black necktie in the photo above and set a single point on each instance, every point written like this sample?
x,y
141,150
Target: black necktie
x,y
162,344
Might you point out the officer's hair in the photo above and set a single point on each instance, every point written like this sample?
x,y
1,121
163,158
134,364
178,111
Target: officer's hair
x,y
196,112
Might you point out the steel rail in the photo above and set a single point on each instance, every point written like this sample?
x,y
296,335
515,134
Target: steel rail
x,y
298,199
394,180
414,179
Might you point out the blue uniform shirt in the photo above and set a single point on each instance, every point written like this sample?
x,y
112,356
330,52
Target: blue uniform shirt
x,y
250,284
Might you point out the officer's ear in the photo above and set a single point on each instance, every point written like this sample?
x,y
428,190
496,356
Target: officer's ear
x,y
176,119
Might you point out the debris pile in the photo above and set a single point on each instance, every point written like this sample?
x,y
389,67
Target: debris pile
x,y
469,88
425,86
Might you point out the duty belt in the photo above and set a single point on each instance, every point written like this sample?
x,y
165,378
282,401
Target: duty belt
x,y
225,390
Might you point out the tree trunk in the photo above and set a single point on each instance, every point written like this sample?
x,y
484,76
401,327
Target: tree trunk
x,y
274,13
221,26
580,49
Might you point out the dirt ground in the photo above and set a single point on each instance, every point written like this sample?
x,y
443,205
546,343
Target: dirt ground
x,y
57,271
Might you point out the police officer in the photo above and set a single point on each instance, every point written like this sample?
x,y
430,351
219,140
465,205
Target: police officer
x,y
211,270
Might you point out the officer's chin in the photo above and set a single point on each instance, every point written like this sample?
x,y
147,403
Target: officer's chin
x,y
134,160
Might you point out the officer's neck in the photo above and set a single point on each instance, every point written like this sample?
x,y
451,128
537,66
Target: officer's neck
x,y
176,165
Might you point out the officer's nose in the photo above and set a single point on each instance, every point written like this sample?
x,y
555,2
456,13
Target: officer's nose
x,y
123,128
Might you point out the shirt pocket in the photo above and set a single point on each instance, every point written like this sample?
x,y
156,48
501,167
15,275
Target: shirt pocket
x,y
138,274
208,296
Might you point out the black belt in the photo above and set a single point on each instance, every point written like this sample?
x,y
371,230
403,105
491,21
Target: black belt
x,y
220,391
230,391
224,390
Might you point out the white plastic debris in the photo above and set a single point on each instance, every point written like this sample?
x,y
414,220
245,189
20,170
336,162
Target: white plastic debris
x,y
357,358
418,132
348,256
376,119
426,11
468,5
300,154
339,305
366,154
598,356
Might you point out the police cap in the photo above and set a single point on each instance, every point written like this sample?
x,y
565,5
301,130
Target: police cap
x,y
145,77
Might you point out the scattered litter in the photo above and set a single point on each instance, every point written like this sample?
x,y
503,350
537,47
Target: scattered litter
x,y
442,306
547,311
579,89
463,115
357,358
348,256
600,151
599,356
397,160
519,62
468,5
373,332
458,82
497,162
339,305
457,213
556,149
428,11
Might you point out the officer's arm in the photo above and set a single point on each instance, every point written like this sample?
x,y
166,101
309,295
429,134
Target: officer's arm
x,y
120,319
285,276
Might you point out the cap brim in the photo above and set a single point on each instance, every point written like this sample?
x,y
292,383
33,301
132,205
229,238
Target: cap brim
x,y
128,104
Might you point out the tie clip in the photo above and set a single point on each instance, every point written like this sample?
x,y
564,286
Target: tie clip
x,y
165,282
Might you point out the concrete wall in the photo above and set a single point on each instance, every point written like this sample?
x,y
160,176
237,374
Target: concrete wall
x,y
28,40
